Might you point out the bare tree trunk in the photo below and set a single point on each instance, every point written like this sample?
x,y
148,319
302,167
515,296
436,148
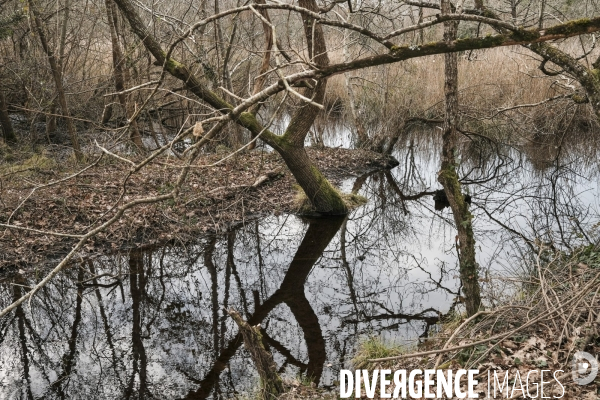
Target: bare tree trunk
x,y
542,11
38,27
63,36
448,177
361,132
322,195
51,120
513,10
324,198
7,128
120,73
266,63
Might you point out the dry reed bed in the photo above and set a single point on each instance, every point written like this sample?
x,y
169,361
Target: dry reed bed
x,y
503,94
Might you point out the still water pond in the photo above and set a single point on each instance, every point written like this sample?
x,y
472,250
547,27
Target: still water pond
x,y
150,323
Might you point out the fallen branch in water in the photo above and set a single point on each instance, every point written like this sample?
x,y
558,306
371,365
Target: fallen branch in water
x,y
269,175
271,383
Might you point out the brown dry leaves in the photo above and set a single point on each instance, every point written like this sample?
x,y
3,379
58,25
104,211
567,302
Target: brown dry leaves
x,y
90,199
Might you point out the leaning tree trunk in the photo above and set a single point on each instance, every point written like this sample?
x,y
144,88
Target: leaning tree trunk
x,y
324,197
448,177
39,28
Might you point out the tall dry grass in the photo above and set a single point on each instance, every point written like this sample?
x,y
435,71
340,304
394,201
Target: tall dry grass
x,y
498,88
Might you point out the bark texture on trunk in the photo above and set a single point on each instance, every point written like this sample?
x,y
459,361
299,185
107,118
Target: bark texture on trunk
x,y
321,194
7,128
448,177
120,73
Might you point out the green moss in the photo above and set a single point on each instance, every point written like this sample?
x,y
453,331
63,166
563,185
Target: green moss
x,y
573,27
37,162
354,200
172,65
475,43
340,202
302,203
334,200
580,98
374,347
525,35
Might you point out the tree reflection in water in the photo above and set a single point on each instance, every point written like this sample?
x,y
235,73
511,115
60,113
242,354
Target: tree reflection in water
x,y
149,323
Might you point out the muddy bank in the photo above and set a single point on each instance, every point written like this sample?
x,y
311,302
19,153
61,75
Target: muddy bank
x,y
214,198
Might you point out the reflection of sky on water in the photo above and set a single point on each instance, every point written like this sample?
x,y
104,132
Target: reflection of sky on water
x,y
387,270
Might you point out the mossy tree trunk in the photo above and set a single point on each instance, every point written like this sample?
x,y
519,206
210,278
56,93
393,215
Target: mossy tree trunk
x,y
448,177
324,197
588,78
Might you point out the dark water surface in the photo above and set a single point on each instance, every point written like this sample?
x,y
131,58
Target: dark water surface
x,y
150,323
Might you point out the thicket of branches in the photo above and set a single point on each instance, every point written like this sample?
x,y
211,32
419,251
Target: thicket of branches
x,y
94,76
96,55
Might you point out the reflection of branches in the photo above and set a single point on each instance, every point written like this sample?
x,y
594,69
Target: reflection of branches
x,y
438,283
69,358
234,271
464,180
508,228
290,292
137,288
421,316
289,357
20,315
392,183
399,192
358,183
107,331
212,270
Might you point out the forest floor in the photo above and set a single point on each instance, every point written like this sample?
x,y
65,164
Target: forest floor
x,y
213,198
